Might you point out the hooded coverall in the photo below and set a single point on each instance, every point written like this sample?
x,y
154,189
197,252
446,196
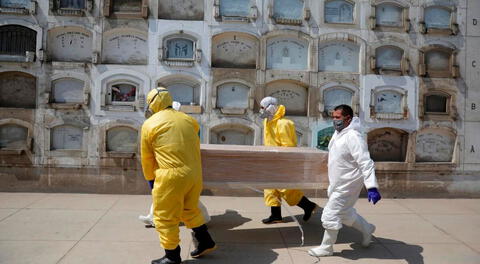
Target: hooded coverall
x,y
170,153
280,132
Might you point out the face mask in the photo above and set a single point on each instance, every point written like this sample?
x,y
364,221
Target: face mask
x,y
339,125
268,112
148,113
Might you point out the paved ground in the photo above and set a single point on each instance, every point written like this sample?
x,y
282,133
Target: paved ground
x,y
87,228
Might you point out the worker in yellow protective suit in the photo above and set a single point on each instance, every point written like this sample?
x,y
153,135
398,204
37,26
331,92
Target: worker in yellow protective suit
x,y
279,131
170,153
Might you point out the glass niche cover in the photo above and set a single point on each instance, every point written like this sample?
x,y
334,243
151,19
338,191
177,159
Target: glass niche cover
x,y
338,11
388,58
388,102
68,91
182,93
336,96
287,54
288,9
15,3
338,57
235,8
232,95
437,17
389,15
123,93
180,48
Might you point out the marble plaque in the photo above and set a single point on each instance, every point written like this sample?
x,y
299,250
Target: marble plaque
x,y
179,48
17,90
125,47
388,102
434,147
127,6
387,144
291,95
66,137
338,11
323,137
235,8
437,17
73,4
13,136
70,44
289,9
234,51
389,15
232,137
122,139
437,60
15,3
436,104
232,95
388,57
338,57
123,92
182,93
68,91
335,97
285,53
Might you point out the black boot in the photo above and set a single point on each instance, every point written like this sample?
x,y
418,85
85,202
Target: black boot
x,y
275,217
308,207
205,242
171,257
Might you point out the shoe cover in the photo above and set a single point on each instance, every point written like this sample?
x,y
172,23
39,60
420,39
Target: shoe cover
x,y
326,248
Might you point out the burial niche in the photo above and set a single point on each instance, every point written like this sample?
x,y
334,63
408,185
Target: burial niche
x,y
286,53
13,136
66,137
233,95
389,15
387,144
68,90
292,95
437,17
434,145
339,11
17,90
17,43
122,139
338,57
234,50
288,10
231,134
335,96
70,44
125,46
180,9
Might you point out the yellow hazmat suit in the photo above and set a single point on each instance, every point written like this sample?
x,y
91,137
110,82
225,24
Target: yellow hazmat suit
x,y
170,152
280,132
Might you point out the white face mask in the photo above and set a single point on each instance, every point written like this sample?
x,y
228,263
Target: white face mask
x,y
268,112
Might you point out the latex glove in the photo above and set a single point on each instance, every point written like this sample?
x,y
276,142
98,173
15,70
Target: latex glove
x,y
151,183
374,195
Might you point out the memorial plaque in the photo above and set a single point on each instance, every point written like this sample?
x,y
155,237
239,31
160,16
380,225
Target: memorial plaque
x,y
291,95
232,137
235,8
72,4
335,97
68,91
388,57
180,9
179,48
323,137
436,104
285,53
17,89
234,51
289,9
125,47
437,17
434,147
183,93
127,6
338,11
437,60
389,15
388,102
66,137
122,139
232,95
338,57
13,136
122,93
15,3
70,44
387,144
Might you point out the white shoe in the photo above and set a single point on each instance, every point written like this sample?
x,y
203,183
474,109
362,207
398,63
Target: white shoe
x,y
146,219
366,228
320,251
204,211
326,248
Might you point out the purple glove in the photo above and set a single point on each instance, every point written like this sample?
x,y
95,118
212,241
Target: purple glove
x,y
151,183
374,195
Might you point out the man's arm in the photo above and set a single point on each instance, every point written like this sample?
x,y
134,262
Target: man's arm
x,y
359,151
149,164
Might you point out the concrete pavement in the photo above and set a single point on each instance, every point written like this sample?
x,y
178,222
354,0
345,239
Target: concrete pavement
x,y
88,228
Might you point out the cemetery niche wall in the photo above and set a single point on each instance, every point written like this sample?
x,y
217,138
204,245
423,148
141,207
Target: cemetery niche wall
x,y
62,40
234,50
125,46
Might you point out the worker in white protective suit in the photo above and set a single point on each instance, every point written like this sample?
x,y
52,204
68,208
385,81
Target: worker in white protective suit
x,y
148,219
349,168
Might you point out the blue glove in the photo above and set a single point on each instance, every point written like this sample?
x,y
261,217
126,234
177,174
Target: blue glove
x,y
374,195
151,183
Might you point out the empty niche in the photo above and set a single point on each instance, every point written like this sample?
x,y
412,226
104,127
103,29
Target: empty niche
x,y
125,46
339,11
288,9
324,136
290,94
13,136
434,145
17,43
70,44
233,95
122,139
389,15
231,134
336,96
68,90
234,50
66,137
234,8
181,9
338,57
387,144
286,53
18,90
388,58
437,103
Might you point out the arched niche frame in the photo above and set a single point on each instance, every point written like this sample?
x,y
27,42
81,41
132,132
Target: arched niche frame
x,y
350,48
389,102
389,15
233,96
64,139
292,94
180,49
438,61
436,145
287,50
388,144
18,90
235,50
62,40
125,46
389,59
437,104
235,10
185,89
438,18
68,90
119,139
215,130
289,12
16,136
23,50
336,93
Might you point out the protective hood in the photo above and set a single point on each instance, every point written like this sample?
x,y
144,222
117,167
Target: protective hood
x,y
280,113
159,99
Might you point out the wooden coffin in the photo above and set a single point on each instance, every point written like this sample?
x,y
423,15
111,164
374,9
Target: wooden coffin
x,y
264,167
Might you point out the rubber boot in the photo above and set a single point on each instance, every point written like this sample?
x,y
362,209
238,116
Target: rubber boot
x,y
308,207
171,257
275,217
205,242
326,248
366,228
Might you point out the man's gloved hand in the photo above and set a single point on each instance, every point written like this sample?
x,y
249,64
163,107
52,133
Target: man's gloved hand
x,y
151,183
374,195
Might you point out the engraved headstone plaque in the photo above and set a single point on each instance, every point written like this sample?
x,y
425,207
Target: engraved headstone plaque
x,y
437,17
323,137
70,44
291,95
122,139
389,15
289,9
66,137
287,53
338,57
68,91
436,104
15,3
434,146
388,102
232,137
73,4
183,93
234,51
232,95
235,8
17,89
338,11
180,48
125,47
13,136
335,97
388,57
437,60
127,6
387,144
123,93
